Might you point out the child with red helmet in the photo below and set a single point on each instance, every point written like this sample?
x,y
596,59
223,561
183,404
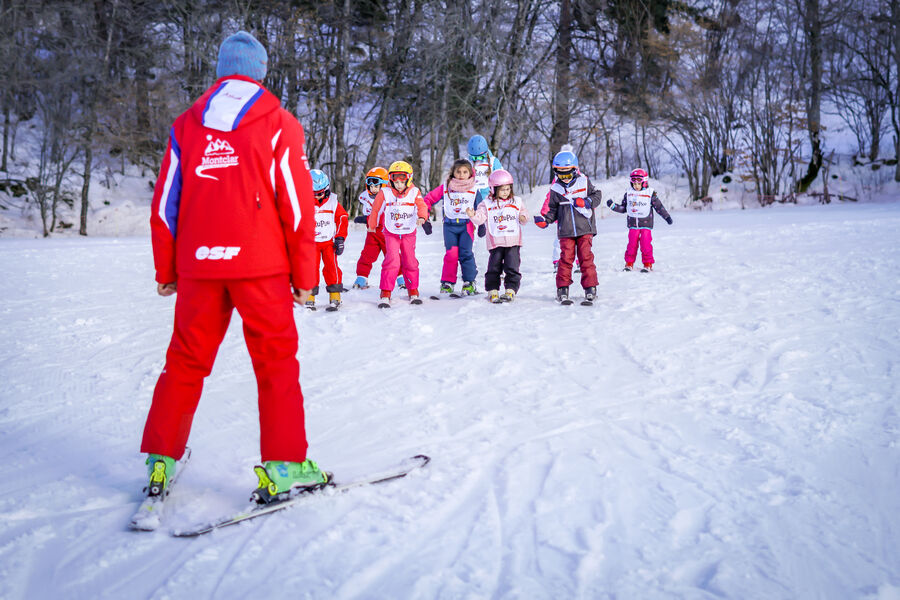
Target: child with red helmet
x,y
331,231
639,203
504,214
404,210
376,179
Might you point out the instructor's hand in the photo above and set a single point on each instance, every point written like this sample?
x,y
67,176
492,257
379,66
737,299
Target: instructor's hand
x,y
301,296
166,289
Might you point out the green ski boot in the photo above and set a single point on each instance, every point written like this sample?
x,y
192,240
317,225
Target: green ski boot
x,y
278,477
160,469
468,288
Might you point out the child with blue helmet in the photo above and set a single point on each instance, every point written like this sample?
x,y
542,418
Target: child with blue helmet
x,y
570,204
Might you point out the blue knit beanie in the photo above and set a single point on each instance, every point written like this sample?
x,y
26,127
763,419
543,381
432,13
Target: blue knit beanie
x,y
242,54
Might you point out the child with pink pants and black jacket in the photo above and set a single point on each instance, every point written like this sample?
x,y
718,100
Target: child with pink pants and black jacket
x,y
639,203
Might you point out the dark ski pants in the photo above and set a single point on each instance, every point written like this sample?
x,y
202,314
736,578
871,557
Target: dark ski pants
x,y
504,260
568,248
203,310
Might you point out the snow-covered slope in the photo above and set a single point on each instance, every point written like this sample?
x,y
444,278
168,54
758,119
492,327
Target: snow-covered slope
x,y
724,427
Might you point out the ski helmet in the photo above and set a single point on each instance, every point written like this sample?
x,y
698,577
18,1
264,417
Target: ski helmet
x,y
564,159
397,171
320,181
379,173
477,146
640,176
500,177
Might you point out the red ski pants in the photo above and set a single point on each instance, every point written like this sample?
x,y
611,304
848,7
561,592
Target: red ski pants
x,y
202,312
373,247
568,248
330,269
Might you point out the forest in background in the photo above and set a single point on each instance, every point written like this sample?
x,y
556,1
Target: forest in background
x,y
709,87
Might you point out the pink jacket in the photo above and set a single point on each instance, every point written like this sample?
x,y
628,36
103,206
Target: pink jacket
x,y
500,241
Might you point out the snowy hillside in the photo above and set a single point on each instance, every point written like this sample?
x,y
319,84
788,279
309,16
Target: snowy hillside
x,y
724,427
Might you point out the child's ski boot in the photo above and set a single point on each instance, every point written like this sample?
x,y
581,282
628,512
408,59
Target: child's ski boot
x,y
401,283
508,295
160,469
590,294
361,283
334,301
494,296
628,266
446,287
311,302
278,477
562,296
469,288
647,268
414,297
385,300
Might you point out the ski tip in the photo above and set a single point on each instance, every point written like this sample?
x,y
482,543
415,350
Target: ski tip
x,y
422,458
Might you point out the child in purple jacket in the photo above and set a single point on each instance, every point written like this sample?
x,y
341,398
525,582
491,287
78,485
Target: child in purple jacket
x,y
639,203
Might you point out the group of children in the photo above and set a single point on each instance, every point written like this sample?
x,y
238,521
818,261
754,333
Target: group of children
x,y
478,193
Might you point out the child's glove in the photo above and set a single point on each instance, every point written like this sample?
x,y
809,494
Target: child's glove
x,y
669,220
482,230
609,202
360,219
338,245
426,227
583,202
540,221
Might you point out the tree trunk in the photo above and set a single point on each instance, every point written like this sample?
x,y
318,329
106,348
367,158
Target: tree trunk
x,y
559,133
86,176
813,28
342,99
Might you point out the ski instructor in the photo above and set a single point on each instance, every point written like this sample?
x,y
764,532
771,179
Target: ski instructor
x,y
232,224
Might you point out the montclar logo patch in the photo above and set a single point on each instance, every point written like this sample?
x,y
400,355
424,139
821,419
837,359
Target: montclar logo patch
x,y
218,155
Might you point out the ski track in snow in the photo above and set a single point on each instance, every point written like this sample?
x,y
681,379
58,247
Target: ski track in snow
x,y
725,427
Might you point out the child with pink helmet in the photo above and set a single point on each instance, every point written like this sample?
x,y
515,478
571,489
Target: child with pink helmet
x,y
639,203
504,213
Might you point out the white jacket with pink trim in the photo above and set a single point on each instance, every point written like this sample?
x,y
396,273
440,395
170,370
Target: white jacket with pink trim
x,y
502,216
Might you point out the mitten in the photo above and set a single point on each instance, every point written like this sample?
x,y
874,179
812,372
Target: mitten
x,y
338,245
426,227
360,219
609,202
669,220
540,221
482,230
583,202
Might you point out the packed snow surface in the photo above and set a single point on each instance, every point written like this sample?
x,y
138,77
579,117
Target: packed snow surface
x,y
726,426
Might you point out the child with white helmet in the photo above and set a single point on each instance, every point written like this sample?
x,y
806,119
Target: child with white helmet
x,y
331,231
404,210
637,203
504,213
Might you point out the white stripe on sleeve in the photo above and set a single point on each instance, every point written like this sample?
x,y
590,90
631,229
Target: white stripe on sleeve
x,y
289,184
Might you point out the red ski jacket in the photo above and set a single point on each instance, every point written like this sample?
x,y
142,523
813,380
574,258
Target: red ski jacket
x,y
234,196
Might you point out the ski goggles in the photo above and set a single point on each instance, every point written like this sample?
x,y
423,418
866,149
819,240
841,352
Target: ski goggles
x,y
565,175
321,194
373,181
399,176
479,158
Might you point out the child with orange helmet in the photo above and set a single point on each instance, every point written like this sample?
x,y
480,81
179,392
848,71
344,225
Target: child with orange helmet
x,y
376,179
404,210
637,203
